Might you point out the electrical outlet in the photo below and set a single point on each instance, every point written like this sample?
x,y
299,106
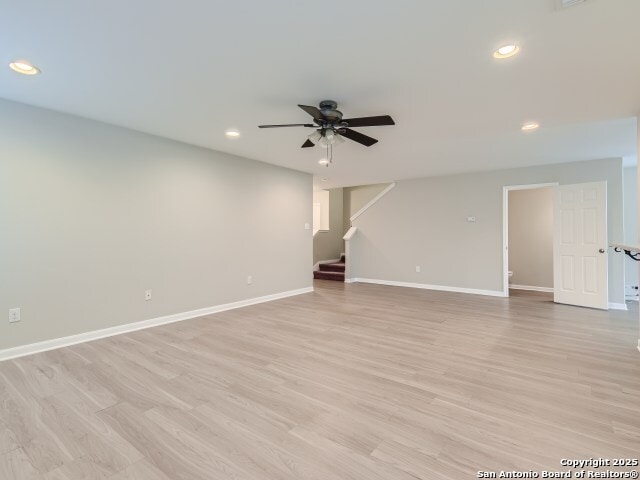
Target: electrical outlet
x,y
249,280
471,219
147,295
418,269
307,226
14,315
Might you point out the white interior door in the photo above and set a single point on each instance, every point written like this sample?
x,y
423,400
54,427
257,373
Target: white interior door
x,y
580,259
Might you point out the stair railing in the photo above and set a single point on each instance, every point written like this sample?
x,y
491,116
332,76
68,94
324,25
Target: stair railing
x,y
348,263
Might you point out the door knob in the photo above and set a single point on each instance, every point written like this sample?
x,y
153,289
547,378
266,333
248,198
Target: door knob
x,y
601,250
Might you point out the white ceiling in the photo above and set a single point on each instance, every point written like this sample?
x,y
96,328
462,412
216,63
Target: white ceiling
x,y
190,70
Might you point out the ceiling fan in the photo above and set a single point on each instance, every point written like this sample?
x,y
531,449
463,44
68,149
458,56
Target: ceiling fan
x,y
331,127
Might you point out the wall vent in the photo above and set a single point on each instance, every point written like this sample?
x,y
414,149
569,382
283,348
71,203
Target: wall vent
x,y
562,4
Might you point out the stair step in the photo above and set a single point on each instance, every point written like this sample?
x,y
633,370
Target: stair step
x,y
332,267
324,275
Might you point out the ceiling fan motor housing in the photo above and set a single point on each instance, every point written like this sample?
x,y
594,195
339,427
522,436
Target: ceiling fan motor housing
x,y
330,112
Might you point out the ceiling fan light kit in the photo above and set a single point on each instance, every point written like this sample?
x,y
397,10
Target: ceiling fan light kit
x,y
315,136
332,129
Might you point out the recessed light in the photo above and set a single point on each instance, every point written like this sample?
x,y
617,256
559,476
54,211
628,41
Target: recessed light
x,y
325,179
529,126
324,162
506,51
232,133
24,67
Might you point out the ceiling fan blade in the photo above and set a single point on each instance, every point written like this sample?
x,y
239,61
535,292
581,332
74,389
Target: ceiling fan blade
x,y
313,111
370,121
358,137
308,144
289,125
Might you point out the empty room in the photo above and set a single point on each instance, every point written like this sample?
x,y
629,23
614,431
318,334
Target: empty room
x,y
360,240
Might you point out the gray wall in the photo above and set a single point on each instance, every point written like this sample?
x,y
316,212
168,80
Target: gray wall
x,y
329,245
357,197
92,215
423,222
531,237
631,221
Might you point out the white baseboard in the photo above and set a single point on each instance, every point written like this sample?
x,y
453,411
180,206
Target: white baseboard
x,y
491,293
531,288
350,280
617,306
46,345
317,265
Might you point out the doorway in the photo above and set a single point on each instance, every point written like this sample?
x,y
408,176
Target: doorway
x,y
528,237
579,239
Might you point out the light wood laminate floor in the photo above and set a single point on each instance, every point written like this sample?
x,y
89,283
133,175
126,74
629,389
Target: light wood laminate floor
x,y
355,381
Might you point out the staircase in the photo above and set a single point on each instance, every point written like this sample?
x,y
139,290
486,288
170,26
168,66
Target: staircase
x,y
331,271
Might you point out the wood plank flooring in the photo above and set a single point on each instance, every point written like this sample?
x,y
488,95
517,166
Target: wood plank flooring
x,y
353,381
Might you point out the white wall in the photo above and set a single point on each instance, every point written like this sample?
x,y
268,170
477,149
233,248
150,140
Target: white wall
x,y
92,215
531,237
631,221
638,155
357,197
328,245
423,222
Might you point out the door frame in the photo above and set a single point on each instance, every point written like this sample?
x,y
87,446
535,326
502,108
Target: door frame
x,y
505,227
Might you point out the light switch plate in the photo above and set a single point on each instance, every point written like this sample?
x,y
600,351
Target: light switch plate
x,y
14,315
